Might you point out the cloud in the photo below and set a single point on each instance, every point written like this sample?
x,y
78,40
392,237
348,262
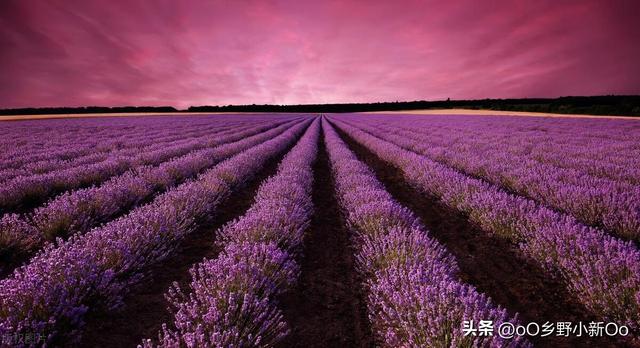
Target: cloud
x,y
71,53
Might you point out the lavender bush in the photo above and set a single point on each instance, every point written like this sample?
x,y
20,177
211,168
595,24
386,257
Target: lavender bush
x,y
601,271
56,289
103,146
36,188
528,164
232,298
414,298
80,210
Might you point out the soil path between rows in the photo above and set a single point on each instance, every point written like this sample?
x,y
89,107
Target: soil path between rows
x,y
145,307
524,195
327,308
491,264
13,259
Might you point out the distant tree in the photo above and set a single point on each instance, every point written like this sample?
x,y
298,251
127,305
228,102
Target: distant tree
x,y
597,105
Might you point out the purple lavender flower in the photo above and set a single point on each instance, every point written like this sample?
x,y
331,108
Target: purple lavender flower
x,y
232,299
95,270
601,271
413,296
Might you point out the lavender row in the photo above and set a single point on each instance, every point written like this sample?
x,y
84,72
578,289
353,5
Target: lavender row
x,y
36,188
602,272
112,148
595,201
613,151
414,298
603,148
62,145
54,292
231,300
78,211
103,150
32,190
28,142
22,138
104,136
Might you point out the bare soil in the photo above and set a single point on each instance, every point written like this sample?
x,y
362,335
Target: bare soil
x,y
145,307
327,308
491,264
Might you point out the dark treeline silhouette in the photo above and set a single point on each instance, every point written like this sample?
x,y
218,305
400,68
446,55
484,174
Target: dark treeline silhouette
x,y
593,105
86,110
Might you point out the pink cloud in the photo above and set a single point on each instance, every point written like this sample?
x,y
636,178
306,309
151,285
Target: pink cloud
x,y
68,53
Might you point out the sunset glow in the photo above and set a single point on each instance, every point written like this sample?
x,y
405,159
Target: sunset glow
x,y
181,53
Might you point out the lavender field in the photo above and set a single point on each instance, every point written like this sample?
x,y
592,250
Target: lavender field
x,y
301,230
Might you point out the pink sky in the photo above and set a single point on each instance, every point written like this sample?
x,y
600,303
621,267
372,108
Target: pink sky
x,y
181,53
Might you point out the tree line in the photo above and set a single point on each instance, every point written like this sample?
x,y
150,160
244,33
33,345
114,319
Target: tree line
x,y
592,105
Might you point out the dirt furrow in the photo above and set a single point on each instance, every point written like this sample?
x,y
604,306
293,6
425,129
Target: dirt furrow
x,y
327,307
145,307
491,264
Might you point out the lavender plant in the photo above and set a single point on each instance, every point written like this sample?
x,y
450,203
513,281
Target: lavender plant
x,y
78,211
601,271
232,298
62,283
413,296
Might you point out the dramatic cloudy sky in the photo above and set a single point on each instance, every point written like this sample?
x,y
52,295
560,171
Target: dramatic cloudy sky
x,y
123,52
